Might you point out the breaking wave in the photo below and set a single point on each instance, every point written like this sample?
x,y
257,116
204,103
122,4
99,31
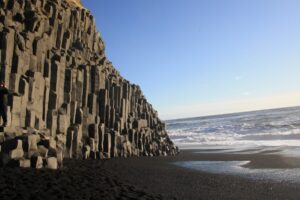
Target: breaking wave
x,y
277,127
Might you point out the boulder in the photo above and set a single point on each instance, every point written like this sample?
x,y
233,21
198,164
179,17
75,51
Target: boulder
x,y
25,163
18,152
52,163
36,161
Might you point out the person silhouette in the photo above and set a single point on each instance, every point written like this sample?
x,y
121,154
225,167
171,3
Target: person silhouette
x,y
3,103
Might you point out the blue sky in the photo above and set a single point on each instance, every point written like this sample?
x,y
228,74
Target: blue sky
x,y
203,57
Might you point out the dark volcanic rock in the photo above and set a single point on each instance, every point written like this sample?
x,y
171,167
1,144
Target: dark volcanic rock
x,y
67,99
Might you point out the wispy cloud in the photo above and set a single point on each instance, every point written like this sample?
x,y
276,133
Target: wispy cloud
x,y
238,78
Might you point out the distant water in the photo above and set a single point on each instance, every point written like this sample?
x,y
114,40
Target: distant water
x,y
277,127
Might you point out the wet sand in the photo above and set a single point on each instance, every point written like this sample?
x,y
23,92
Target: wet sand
x,y
149,178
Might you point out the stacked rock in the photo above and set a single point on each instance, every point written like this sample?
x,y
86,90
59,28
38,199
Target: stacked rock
x,y
71,102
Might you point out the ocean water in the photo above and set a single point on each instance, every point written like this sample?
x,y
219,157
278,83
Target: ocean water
x,y
276,128
274,131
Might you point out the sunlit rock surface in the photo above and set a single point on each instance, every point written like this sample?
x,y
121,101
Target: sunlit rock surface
x,y
67,100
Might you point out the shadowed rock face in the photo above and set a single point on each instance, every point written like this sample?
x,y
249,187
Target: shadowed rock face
x,y
71,102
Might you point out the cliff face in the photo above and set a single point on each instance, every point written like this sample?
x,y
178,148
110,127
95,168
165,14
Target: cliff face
x,y
69,101
76,3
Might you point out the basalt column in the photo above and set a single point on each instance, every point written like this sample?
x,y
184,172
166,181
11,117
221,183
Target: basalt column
x,y
66,99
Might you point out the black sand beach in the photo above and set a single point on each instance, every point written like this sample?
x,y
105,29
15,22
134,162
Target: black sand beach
x,y
147,178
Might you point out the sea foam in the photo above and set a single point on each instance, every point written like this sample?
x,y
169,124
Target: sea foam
x,y
277,127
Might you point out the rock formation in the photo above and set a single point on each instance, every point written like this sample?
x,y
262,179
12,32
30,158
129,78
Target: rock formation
x,y
67,100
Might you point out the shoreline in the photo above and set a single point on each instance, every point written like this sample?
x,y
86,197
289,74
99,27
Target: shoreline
x,y
161,176
144,178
